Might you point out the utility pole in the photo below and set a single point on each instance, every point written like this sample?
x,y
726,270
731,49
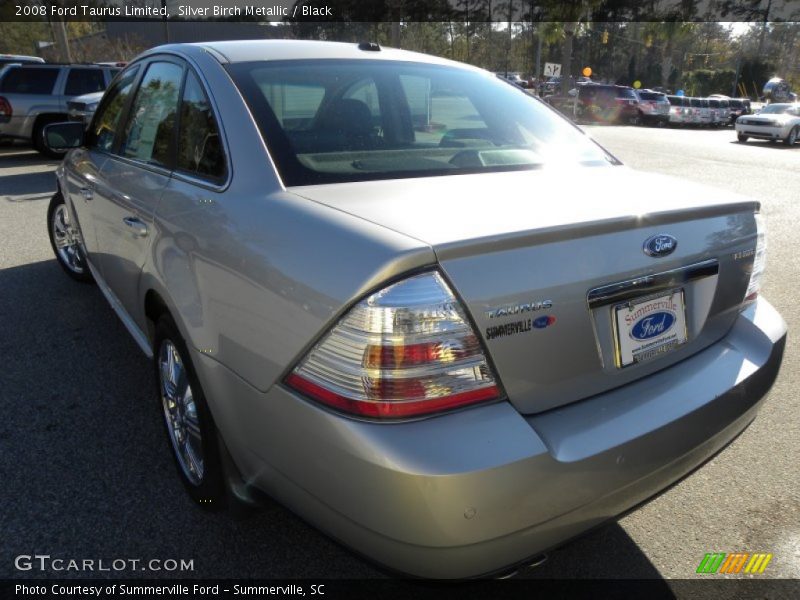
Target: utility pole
x,y
738,70
538,52
60,38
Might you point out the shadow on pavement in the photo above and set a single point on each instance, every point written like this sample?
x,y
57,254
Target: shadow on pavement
x,y
87,471
27,186
756,143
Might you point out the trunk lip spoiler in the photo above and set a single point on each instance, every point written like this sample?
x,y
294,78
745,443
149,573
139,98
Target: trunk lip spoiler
x,y
633,288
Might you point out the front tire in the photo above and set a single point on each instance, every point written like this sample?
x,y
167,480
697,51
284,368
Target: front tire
x,y
190,428
742,138
791,139
65,241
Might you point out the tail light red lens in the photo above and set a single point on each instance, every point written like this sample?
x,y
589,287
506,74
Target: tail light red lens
x,y
404,351
5,108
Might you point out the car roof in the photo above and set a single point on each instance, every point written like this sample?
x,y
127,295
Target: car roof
x,y
235,51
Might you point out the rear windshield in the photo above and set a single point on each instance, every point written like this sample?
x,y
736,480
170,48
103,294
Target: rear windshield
x,y
651,96
37,80
338,120
626,93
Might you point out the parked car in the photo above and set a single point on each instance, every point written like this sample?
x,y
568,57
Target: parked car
x,y
302,237
514,78
81,108
31,96
774,122
738,107
700,116
608,103
717,117
654,108
679,110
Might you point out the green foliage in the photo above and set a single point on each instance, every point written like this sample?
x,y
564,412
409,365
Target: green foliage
x,y
21,38
704,82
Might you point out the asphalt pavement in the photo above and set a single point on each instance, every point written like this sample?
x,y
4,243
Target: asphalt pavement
x,y
86,474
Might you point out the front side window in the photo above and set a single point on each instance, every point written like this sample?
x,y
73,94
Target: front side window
x,y
105,123
149,132
200,150
84,81
339,120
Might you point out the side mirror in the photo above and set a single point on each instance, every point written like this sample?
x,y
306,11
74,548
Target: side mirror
x,y
63,136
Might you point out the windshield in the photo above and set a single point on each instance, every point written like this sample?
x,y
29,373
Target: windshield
x,y
791,109
337,120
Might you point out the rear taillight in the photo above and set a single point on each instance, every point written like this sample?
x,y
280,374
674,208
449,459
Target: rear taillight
x,y
403,351
759,260
5,107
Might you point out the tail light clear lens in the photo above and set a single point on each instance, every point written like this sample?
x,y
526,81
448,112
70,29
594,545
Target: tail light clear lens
x,y
404,351
759,260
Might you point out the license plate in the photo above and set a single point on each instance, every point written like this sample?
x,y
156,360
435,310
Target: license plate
x,y
649,327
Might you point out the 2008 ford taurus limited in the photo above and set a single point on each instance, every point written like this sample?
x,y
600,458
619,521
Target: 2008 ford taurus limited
x,y
407,299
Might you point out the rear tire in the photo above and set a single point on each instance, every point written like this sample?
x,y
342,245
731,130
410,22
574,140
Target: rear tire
x,y
191,432
64,240
791,139
742,138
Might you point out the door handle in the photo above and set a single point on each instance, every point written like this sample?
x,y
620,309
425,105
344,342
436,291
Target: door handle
x,y
87,193
139,228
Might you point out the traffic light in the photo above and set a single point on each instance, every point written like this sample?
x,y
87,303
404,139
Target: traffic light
x,y
605,37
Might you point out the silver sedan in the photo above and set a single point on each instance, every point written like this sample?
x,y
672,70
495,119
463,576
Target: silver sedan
x,y
408,300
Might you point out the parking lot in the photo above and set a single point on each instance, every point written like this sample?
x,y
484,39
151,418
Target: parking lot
x,y
86,471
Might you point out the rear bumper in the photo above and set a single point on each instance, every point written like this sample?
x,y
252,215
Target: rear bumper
x,y
472,492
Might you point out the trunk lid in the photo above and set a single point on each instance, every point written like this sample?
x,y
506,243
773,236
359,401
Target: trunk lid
x,y
542,259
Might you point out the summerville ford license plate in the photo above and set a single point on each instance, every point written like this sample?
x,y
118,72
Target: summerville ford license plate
x,y
649,327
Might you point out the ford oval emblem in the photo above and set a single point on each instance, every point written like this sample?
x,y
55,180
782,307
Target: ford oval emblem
x,y
660,245
653,325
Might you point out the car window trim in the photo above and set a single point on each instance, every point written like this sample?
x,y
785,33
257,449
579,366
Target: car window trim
x,y
211,183
123,116
129,104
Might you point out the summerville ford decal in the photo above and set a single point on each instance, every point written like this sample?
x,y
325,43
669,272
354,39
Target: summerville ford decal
x,y
523,326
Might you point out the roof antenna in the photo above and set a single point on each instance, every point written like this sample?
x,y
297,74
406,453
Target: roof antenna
x,y
369,47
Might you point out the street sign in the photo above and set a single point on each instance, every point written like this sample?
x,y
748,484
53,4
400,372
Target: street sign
x,y
552,69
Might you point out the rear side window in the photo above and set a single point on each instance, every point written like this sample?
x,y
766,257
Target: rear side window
x,y
200,150
84,81
29,81
104,126
149,132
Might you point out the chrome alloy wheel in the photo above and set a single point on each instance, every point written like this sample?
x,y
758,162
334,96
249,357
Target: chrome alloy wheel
x,y
180,412
66,241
